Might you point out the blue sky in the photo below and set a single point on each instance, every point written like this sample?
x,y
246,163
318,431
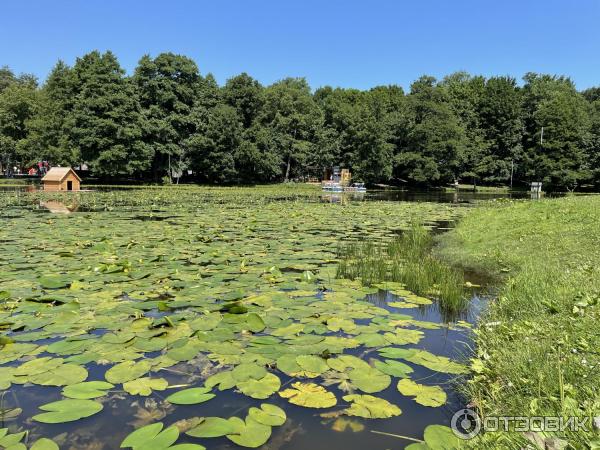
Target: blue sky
x,y
330,42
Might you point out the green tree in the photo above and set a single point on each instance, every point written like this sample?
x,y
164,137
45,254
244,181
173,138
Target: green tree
x,y
106,123
49,129
214,145
245,94
293,118
168,88
18,104
435,138
559,155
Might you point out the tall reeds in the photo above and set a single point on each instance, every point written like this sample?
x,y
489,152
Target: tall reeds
x,y
406,259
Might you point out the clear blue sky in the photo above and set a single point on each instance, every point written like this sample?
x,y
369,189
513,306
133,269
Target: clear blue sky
x,y
330,42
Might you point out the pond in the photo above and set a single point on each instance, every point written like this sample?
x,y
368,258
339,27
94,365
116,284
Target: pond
x,y
232,293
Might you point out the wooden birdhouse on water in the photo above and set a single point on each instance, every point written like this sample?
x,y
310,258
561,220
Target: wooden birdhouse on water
x,y
61,179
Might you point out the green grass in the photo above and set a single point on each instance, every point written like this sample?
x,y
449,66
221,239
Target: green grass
x,y
538,346
406,259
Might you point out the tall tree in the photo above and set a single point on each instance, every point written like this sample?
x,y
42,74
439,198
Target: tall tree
x,y
558,154
168,88
245,94
214,145
435,137
18,103
106,123
293,118
49,133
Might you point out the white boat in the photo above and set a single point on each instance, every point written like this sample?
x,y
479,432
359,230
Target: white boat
x,y
355,187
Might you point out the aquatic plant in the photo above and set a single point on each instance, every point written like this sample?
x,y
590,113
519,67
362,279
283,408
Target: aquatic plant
x,y
160,301
405,259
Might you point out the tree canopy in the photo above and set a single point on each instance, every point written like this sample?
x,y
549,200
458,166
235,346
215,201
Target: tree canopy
x,y
167,118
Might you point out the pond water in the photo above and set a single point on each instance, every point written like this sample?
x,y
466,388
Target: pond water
x,y
179,281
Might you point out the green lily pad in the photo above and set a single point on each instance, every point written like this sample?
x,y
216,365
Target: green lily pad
x,y
191,396
424,395
67,411
87,390
369,379
261,389
212,427
44,444
145,386
251,434
127,371
370,407
268,415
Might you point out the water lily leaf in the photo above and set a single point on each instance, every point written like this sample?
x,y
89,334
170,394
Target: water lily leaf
x,y
44,444
252,434
248,371
37,366
224,380
424,395
261,389
288,365
337,324
402,336
54,282
309,395
394,368
67,410
212,427
127,371
289,330
151,437
255,323
436,363
370,407
439,437
344,362
369,379
371,339
145,386
268,415
87,390
397,353
191,396
62,375
10,440
342,424
312,366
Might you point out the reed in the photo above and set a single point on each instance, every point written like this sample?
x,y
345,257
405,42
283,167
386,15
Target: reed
x,y
406,259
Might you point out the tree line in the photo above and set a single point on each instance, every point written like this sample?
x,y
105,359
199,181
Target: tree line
x,y
168,118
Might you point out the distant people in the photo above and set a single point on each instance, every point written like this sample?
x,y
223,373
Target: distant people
x,y
32,171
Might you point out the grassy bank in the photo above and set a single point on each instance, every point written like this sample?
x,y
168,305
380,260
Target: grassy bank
x,y
539,344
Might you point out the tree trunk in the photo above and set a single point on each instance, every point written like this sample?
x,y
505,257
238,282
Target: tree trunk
x,y
287,170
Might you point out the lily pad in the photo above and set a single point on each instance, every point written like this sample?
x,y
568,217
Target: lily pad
x,y
145,386
87,390
424,395
268,415
370,407
309,395
191,396
67,411
212,427
251,434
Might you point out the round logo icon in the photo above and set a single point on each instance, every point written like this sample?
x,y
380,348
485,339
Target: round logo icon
x,y
465,424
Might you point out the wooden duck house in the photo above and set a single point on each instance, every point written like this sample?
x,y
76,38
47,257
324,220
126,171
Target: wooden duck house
x,y
61,179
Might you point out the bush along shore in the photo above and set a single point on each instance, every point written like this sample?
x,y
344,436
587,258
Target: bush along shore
x,y
538,345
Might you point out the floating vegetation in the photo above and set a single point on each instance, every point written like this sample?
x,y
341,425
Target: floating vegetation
x,y
209,323
404,259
